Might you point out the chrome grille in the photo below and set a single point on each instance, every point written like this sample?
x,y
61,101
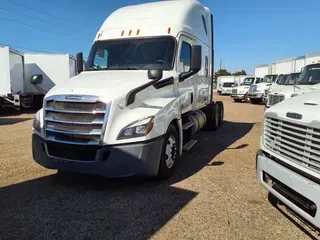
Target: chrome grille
x,y
295,142
274,99
78,122
234,90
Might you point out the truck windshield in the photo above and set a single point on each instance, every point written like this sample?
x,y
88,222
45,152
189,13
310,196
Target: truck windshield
x,y
228,84
247,82
132,54
269,78
310,75
292,77
282,79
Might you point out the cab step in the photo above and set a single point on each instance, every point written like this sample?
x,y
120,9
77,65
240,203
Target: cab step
x,y
189,145
187,125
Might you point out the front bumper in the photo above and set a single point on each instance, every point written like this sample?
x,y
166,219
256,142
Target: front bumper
x,y
292,180
255,95
108,161
237,96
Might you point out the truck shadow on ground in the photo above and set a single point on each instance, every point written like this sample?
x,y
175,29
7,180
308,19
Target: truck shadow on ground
x,y
11,121
86,207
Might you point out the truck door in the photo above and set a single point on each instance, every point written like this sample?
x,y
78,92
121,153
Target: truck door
x,y
193,90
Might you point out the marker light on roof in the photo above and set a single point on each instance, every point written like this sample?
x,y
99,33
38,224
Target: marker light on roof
x,y
130,32
122,33
169,30
138,31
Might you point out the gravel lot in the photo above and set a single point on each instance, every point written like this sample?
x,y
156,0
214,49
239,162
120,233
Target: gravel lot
x,y
214,195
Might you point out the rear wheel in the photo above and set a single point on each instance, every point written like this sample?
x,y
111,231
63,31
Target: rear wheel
x,y
212,112
169,155
221,108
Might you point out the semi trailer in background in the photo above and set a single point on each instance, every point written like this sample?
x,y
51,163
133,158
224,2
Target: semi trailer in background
x,y
17,70
288,162
225,84
239,79
145,92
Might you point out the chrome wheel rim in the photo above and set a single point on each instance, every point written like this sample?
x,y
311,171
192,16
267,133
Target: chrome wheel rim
x,y
171,150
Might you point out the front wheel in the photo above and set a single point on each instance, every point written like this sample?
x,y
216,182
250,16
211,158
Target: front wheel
x,y
237,100
169,155
246,99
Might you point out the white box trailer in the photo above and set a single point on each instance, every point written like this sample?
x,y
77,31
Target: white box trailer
x,y
261,70
284,66
225,84
17,69
298,63
272,68
312,58
54,68
11,75
239,79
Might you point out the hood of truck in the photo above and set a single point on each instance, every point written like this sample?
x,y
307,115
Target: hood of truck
x,y
306,104
289,91
242,89
105,84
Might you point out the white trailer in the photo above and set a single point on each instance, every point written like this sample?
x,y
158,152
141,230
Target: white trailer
x,y
239,79
17,70
284,66
261,70
298,64
225,84
288,162
146,90
54,68
11,76
312,58
272,68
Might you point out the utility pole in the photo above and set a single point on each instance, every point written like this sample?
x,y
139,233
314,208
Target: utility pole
x,y
220,63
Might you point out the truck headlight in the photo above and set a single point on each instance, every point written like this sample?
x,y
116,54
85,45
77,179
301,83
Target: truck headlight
x,y
138,128
36,122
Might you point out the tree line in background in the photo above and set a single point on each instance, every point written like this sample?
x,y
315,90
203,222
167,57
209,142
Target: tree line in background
x,y
224,72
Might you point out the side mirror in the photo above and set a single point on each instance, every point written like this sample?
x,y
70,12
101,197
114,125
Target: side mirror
x,y
36,79
196,57
79,62
155,74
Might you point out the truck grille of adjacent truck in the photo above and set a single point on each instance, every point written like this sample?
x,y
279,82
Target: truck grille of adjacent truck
x,y
295,142
274,99
74,122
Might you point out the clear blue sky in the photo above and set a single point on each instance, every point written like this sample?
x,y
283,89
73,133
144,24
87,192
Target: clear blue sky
x,y
247,32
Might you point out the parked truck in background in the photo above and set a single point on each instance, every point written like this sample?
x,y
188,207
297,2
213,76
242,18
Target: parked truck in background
x,y
274,94
309,80
240,93
238,80
288,162
17,69
256,92
145,92
225,84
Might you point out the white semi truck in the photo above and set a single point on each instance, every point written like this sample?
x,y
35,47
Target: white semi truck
x,y
17,69
309,80
146,90
256,92
288,162
239,93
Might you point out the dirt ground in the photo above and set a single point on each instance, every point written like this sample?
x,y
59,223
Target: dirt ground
x,y
214,194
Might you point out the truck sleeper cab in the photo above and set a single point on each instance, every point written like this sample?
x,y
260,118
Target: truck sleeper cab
x,y
146,90
288,162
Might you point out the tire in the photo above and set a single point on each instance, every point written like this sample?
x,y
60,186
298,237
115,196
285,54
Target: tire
x,y
246,99
221,115
219,93
255,101
273,199
237,100
166,167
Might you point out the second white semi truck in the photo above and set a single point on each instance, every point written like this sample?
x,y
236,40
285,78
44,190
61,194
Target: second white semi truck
x,y
288,162
145,92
